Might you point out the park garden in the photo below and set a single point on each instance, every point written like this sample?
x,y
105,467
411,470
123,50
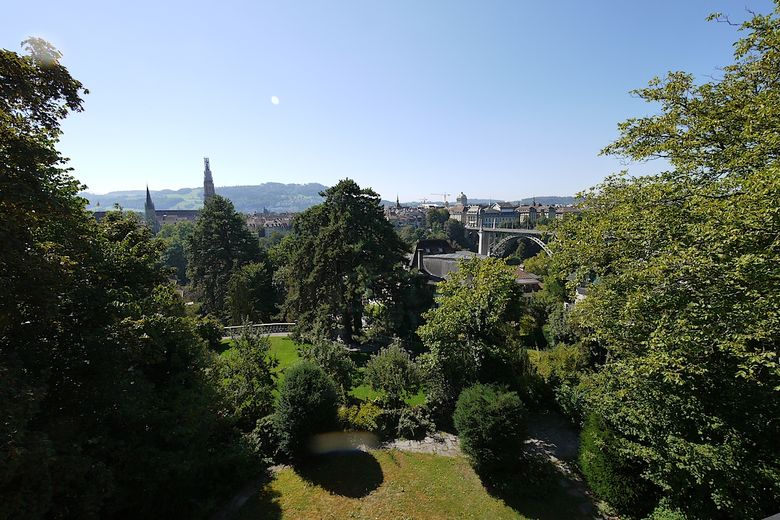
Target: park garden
x,y
654,339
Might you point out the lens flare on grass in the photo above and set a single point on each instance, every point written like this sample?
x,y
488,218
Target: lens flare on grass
x,y
334,442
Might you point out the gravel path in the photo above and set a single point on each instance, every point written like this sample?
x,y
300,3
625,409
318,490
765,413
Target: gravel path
x,y
439,443
551,436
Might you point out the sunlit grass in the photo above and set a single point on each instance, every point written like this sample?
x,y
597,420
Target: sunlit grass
x,y
379,485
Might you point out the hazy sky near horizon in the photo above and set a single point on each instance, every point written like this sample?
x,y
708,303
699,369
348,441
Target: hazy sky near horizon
x,y
499,99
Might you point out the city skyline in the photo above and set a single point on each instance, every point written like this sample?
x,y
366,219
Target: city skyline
x,y
499,101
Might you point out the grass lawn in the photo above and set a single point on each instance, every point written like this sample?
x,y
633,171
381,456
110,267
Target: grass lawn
x,y
285,350
392,485
381,485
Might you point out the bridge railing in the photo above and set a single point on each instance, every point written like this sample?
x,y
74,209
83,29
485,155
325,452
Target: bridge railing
x,y
263,328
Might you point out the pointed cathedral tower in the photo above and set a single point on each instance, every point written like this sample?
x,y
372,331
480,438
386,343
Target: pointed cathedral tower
x,y
208,182
149,214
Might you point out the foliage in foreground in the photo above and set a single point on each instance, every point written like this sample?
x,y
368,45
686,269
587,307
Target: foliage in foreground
x,y
106,408
686,296
611,472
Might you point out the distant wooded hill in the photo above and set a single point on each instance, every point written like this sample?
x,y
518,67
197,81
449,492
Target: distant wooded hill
x,y
273,196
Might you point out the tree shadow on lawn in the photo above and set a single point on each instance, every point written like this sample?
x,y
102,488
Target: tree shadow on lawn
x,y
539,490
352,474
257,501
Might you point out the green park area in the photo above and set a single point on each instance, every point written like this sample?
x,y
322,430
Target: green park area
x,y
286,352
390,484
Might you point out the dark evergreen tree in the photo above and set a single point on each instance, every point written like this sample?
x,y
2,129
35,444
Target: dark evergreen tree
x,y
175,255
338,251
220,244
251,294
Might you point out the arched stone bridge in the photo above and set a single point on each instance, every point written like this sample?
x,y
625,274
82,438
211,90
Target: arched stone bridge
x,y
489,238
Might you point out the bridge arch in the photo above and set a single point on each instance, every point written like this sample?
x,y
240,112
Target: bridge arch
x,y
501,243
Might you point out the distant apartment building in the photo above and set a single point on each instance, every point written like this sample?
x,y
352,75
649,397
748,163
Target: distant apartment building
x,y
437,259
505,214
400,216
265,224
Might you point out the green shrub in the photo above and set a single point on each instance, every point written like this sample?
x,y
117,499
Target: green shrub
x,y
609,472
664,511
570,398
393,372
362,417
334,359
414,423
308,401
562,363
246,378
491,425
211,330
264,439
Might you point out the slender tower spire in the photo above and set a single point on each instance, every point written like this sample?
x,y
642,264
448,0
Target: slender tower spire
x,y
208,182
149,214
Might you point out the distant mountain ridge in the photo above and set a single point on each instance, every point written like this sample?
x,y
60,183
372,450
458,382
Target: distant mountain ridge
x,y
274,196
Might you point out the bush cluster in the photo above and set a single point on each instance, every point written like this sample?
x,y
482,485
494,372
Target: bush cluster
x,y
393,372
491,424
609,472
334,359
360,417
308,402
414,423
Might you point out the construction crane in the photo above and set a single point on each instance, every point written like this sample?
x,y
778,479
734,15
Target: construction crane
x,y
444,196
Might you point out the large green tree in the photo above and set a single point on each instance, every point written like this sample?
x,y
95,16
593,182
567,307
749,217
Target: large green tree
x,y
106,411
175,255
473,334
339,251
686,300
219,245
251,294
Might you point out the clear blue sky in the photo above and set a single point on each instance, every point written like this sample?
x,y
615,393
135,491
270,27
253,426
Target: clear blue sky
x,y
499,99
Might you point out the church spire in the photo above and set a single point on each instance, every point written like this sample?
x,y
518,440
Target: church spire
x,y
149,204
208,182
150,215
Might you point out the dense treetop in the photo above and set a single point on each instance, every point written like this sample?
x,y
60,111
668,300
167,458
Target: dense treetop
x,y
686,297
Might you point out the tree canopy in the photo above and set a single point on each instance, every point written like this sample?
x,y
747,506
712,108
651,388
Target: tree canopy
x,y
686,296
106,408
220,244
473,334
335,258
